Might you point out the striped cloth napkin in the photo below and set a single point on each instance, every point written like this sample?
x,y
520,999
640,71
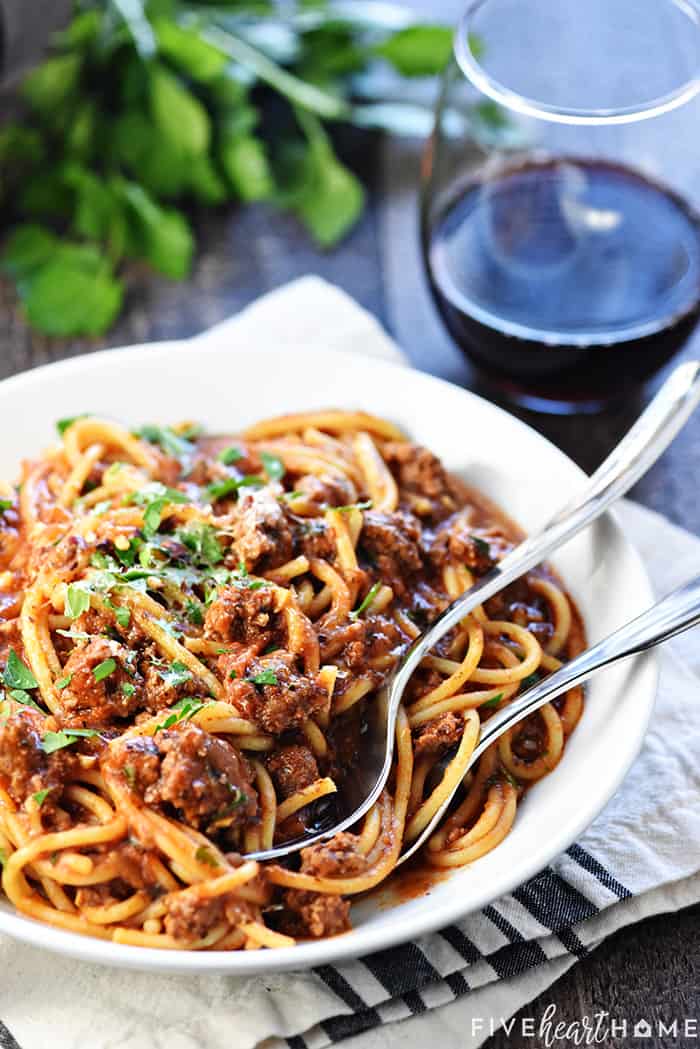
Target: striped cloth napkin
x,y
461,984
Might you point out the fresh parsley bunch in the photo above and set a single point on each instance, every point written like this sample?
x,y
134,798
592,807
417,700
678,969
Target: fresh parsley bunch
x,y
148,104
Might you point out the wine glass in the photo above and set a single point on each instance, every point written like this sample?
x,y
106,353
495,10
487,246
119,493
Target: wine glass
x,y
560,202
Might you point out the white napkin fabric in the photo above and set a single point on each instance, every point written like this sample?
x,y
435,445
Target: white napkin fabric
x,y
640,857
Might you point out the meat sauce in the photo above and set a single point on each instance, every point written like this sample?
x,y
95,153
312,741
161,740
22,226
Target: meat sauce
x,y
204,780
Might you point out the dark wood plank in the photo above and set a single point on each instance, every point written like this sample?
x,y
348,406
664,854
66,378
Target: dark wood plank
x,y
646,972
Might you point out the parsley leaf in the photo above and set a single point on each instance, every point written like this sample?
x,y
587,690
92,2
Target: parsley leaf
x,y
16,674
41,796
181,711
205,855
63,424
273,466
64,682
265,677
493,702
177,675
52,741
5,504
220,489
368,599
104,669
529,681
420,50
154,498
121,614
77,600
201,539
230,455
172,443
193,611
329,198
365,505
20,696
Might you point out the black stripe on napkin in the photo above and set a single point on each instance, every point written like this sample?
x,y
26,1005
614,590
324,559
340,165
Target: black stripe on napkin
x,y
591,864
402,969
518,955
7,1041
554,902
415,1003
340,987
339,1027
461,943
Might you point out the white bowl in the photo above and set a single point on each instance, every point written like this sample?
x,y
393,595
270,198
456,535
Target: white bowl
x,y
528,477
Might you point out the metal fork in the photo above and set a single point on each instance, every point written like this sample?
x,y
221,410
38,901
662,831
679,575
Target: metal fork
x,y
626,464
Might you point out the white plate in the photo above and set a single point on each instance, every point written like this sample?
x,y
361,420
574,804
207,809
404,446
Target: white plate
x,y
512,464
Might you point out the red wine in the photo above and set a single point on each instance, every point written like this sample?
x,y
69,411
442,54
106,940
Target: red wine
x,y
567,280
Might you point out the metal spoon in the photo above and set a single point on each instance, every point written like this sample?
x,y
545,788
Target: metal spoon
x,y
629,460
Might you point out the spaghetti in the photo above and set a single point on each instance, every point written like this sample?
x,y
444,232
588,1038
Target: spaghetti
x,y
192,632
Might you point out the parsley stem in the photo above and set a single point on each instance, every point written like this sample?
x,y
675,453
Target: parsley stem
x,y
300,93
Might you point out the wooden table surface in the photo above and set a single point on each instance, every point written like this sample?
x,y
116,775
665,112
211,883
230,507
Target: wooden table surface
x,y
649,970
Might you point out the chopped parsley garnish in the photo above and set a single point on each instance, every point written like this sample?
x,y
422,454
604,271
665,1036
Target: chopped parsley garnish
x,y
5,504
104,669
366,505
182,711
63,424
230,455
66,738
178,674
233,675
273,466
154,498
129,775
20,696
223,817
369,598
201,540
64,682
128,557
493,702
174,444
265,677
529,681
205,855
77,601
16,674
122,615
41,796
220,489
127,688
193,611
100,560
3,857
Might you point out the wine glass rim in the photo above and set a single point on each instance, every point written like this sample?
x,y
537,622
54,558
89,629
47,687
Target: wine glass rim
x,y
495,89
